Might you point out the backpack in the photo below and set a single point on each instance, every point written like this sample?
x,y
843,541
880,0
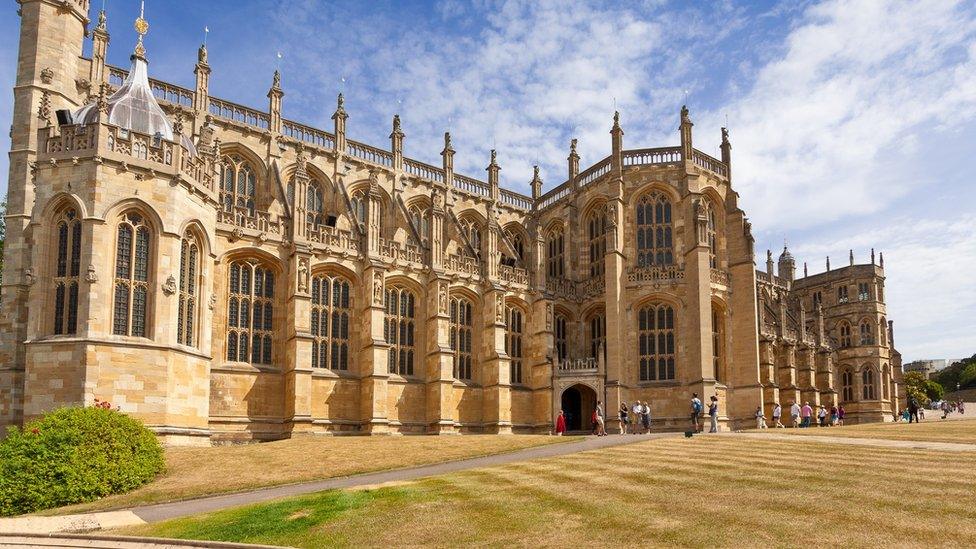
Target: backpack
x,y
696,406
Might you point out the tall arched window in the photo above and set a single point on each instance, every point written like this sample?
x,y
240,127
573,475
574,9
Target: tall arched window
x,y
331,314
189,271
472,231
883,332
712,254
656,342
847,385
399,329
132,269
867,384
420,222
359,206
315,204
597,231
250,315
554,254
238,184
461,336
655,246
597,334
867,334
67,271
885,382
845,334
561,341
718,341
518,244
514,323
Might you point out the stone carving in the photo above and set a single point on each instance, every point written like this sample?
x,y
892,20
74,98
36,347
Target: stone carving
x,y
302,275
47,75
442,297
29,276
213,301
169,287
377,288
499,307
548,317
44,108
91,277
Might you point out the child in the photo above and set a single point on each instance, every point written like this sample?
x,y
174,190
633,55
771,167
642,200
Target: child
x,y
760,418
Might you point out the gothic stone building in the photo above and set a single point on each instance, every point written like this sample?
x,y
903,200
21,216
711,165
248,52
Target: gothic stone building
x,y
223,273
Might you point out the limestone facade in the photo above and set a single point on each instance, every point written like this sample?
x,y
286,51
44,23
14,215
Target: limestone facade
x,y
255,278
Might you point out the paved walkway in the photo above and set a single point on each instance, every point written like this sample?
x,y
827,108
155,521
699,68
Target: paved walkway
x,y
61,541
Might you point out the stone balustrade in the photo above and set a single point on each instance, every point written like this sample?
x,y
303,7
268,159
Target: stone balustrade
x,y
577,366
463,265
514,275
369,154
719,276
399,252
669,273
331,237
255,220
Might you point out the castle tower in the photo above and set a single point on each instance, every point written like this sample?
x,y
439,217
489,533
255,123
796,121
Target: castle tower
x,y
51,37
787,266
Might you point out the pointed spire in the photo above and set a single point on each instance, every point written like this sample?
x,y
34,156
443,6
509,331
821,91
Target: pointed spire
x,y
276,80
397,131
872,256
727,151
340,111
828,263
448,155
686,124
852,257
616,144
573,159
536,183
616,120
339,118
806,273
493,169
881,259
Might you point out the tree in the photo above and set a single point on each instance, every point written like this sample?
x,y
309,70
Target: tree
x,y
961,374
915,387
933,390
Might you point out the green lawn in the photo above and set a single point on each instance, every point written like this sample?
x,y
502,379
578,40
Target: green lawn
x,y
932,429
704,491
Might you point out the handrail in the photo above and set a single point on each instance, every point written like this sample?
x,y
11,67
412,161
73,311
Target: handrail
x,y
471,185
307,134
369,153
426,171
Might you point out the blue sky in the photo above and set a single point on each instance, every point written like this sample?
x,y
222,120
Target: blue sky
x,y
852,123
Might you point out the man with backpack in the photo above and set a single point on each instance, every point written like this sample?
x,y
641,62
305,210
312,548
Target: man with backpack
x,y
696,412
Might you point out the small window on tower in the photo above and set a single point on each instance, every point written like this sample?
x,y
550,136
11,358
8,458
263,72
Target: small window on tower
x,y
863,291
842,294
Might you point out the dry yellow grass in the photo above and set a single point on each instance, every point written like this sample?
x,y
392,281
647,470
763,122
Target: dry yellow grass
x,y
193,472
705,491
932,429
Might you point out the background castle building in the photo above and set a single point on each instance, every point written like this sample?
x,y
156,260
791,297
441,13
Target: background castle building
x,y
223,273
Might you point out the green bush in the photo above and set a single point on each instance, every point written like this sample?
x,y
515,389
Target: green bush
x,y
933,390
74,455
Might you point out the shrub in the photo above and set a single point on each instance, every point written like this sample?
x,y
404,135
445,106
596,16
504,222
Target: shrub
x,y
934,391
74,455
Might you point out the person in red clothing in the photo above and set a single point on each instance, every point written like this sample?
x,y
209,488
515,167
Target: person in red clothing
x,y
560,424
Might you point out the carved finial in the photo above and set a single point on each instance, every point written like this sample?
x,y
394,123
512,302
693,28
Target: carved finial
x,y
202,54
881,258
572,146
396,122
852,257
769,255
685,118
339,101
178,123
276,81
142,27
805,272
494,157
535,173
447,142
725,136
872,256
101,26
828,262
616,120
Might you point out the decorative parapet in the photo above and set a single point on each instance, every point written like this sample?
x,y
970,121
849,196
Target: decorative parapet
x,y
463,265
577,366
719,276
563,288
239,113
592,287
652,157
343,242
424,171
72,139
255,220
516,200
670,273
369,154
513,275
401,253
307,134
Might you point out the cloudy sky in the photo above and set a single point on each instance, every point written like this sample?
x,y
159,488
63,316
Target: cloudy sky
x,y
853,124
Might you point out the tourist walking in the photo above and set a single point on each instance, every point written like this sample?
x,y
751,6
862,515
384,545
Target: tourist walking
x,y
795,413
635,418
777,414
822,416
713,414
806,413
646,417
623,418
945,409
760,418
696,412
560,424
912,409
601,426
833,415
841,414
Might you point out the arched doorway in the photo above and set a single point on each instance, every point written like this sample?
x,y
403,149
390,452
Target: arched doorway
x,y
578,403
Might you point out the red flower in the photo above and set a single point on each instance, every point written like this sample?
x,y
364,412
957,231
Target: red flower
x,y
35,431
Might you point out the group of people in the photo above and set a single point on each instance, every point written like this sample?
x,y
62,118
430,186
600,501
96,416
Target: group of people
x,y
950,407
636,418
802,416
915,412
